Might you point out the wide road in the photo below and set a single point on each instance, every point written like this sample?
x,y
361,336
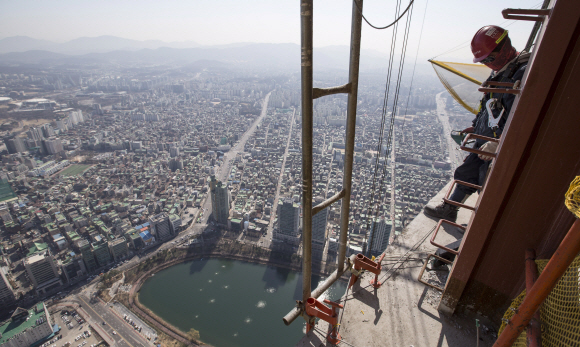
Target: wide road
x,y
240,145
225,168
221,174
455,154
266,240
98,312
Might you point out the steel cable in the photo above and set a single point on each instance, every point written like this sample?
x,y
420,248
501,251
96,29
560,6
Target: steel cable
x,y
386,26
392,124
383,118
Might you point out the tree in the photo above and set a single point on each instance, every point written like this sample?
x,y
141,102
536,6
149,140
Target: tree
x,y
193,335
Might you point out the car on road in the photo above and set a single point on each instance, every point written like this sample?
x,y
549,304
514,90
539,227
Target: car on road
x,y
114,332
104,323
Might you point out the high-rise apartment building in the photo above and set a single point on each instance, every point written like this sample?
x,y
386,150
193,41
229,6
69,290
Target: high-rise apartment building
x,y
379,234
53,146
15,145
7,296
319,222
76,117
175,164
118,248
136,145
101,252
47,130
160,226
87,254
220,201
42,271
35,134
288,222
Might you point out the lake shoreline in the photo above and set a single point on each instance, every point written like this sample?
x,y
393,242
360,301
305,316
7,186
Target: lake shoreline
x,y
160,323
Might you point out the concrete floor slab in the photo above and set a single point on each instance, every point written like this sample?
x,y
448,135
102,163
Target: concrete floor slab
x,y
403,311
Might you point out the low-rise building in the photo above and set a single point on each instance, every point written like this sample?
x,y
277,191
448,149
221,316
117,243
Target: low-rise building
x,y
26,327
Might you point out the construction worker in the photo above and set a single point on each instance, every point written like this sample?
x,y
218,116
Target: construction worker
x,y
492,47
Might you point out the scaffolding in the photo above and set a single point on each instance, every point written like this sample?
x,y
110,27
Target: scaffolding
x,y
308,95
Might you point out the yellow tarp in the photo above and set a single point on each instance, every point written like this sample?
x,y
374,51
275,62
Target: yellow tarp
x,y
462,81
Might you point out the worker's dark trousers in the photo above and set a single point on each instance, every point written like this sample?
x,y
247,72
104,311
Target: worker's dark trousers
x,y
473,170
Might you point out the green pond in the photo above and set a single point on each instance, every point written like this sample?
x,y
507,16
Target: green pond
x,y
230,303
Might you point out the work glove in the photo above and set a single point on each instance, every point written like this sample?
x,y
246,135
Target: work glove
x,y
490,147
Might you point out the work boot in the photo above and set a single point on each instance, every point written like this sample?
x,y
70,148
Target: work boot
x,y
442,211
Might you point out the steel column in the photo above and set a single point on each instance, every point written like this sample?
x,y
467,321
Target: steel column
x,y
306,74
355,35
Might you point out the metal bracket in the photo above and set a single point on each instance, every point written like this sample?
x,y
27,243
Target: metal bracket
x,y
420,278
458,204
531,15
362,263
437,230
511,88
315,308
469,136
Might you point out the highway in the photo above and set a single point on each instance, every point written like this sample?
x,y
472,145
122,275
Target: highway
x,y
98,313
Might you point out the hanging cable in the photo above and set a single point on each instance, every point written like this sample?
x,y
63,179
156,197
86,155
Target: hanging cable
x,y
383,117
386,26
393,114
414,66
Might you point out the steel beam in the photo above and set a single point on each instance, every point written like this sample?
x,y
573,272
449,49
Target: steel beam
x,y
355,35
306,74
328,202
320,92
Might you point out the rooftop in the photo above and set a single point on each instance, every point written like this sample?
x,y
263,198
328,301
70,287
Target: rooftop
x,y
10,328
36,257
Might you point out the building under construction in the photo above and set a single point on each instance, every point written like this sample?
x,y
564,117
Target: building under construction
x,y
517,234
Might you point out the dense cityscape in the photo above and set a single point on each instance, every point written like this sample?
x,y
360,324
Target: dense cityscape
x,y
103,168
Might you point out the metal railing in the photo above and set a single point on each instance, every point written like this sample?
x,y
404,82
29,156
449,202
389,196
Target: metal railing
x,y
308,95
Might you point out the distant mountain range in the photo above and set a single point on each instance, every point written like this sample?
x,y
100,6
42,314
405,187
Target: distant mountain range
x,y
23,50
84,45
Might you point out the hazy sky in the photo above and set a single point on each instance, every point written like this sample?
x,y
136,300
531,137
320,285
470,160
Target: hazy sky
x,y
448,23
